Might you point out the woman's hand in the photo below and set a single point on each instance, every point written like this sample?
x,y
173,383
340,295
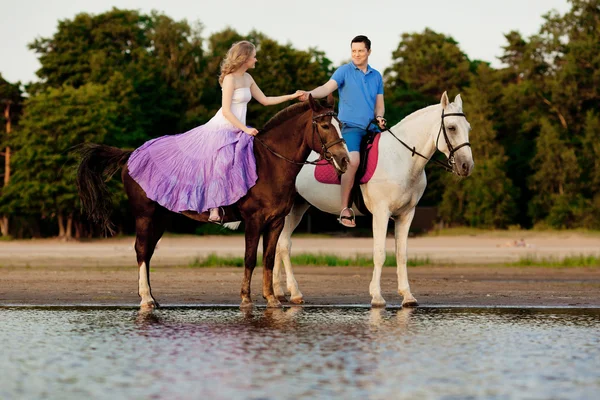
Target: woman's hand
x,y
296,95
251,131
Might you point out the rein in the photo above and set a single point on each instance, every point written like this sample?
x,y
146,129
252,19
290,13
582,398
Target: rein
x,y
450,162
325,154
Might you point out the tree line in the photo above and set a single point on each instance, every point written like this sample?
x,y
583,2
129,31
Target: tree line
x,y
123,77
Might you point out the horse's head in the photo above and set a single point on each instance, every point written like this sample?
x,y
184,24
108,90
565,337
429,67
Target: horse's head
x,y
326,138
452,138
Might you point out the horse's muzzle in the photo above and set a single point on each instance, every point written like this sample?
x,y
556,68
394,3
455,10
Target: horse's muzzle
x,y
463,167
342,165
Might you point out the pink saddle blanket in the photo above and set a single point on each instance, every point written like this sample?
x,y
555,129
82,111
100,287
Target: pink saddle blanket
x,y
325,172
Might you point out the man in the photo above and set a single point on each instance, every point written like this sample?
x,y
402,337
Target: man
x,y
361,100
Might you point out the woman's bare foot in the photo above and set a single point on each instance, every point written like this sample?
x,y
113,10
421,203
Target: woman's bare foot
x,y
214,215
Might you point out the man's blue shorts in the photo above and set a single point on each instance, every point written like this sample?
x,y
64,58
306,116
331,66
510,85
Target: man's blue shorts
x,y
353,136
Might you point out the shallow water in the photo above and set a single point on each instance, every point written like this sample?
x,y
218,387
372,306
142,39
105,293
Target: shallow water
x,y
225,353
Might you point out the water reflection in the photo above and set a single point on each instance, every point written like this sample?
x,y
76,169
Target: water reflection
x,y
379,316
299,352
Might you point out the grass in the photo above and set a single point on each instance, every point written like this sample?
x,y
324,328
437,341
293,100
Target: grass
x,y
306,259
331,260
513,231
571,261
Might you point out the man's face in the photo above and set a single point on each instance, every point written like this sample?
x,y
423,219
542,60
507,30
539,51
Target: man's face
x,y
360,54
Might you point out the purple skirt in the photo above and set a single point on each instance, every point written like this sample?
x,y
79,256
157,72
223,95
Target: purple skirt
x,y
206,167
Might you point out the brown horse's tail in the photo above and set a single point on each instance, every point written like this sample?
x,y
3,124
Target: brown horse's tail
x,y
98,164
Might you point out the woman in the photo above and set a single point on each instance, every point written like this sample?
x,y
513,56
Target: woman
x,y
211,165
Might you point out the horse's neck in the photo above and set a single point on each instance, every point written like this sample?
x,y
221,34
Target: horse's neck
x,y
288,143
415,130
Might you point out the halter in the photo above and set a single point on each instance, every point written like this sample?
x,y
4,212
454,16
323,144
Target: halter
x,y
448,144
449,164
325,154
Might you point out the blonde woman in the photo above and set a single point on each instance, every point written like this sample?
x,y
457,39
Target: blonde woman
x,y
213,164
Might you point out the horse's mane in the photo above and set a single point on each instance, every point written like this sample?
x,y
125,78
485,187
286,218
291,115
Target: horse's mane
x,y
285,114
417,113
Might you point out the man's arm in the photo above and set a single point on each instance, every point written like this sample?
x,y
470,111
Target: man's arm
x,y
321,91
380,111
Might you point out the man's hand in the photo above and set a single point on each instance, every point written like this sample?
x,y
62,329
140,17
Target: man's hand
x,y
381,122
303,96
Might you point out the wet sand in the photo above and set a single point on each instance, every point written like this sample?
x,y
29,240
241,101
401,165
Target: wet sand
x,y
103,272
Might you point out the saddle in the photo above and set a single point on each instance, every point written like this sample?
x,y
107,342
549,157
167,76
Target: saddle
x,y
369,155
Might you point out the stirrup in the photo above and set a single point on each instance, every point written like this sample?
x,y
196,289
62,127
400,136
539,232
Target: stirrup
x,y
220,219
350,218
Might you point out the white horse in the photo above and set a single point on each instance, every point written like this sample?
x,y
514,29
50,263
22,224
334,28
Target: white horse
x,y
393,191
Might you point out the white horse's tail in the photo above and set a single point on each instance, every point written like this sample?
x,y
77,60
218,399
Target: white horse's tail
x,y
232,225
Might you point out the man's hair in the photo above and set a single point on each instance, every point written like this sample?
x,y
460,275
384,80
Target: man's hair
x,y
362,39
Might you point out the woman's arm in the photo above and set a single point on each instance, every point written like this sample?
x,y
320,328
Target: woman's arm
x,y
226,99
270,100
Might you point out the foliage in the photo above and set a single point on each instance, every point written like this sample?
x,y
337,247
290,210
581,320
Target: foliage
x,y
122,77
55,121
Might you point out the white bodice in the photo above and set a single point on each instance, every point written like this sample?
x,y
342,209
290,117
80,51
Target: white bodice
x,y
239,105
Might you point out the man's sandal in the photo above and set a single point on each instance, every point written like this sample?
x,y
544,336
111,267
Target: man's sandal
x,y
346,217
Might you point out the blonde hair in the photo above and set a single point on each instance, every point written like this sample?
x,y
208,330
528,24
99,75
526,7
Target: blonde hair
x,y
236,56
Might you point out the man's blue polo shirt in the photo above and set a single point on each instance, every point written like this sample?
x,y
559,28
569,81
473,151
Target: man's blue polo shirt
x,y
358,93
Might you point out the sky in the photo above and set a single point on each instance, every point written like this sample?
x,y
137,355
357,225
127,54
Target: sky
x,y
329,25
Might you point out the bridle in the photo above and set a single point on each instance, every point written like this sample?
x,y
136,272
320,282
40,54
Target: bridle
x,y
448,166
325,154
448,144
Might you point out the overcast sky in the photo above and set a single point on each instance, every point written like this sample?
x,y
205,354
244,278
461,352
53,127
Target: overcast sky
x,y
477,25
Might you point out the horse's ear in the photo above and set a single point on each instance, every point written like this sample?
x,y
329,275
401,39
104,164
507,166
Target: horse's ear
x,y
458,101
311,101
444,101
330,101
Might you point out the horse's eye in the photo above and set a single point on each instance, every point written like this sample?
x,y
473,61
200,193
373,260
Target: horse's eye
x,y
452,128
325,126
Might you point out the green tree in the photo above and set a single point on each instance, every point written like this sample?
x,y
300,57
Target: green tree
x,y
152,65
424,65
487,198
590,168
572,44
555,182
428,63
11,101
54,121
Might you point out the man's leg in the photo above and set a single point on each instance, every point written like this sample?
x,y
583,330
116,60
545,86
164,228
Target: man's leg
x,y
346,187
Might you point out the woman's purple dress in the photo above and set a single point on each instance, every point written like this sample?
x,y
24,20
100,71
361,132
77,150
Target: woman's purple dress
x,y
209,166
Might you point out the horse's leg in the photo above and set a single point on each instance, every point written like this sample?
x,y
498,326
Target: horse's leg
x,y
380,223
284,247
149,229
270,237
253,229
401,232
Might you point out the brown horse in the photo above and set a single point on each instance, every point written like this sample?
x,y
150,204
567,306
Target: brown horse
x,y
281,149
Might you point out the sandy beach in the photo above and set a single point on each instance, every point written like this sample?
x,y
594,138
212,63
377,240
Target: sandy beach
x,y
465,270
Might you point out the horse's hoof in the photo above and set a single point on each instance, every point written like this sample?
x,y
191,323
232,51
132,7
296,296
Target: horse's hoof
x,y
378,303
246,303
150,305
410,303
282,298
297,300
273,303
